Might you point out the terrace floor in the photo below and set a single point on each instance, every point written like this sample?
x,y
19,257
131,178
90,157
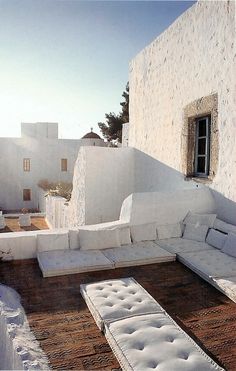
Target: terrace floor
x,y
67,333
12,225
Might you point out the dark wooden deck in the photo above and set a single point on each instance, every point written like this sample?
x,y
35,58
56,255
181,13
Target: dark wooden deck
x,y
62,323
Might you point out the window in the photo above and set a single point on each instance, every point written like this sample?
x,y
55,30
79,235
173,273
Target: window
x,y
64,164
26,195
200,141
26,164
202,147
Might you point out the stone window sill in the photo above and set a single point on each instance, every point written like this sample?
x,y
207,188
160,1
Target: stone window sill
x,y
202,180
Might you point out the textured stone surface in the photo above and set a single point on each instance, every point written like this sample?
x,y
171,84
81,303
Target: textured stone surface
x,y
194,58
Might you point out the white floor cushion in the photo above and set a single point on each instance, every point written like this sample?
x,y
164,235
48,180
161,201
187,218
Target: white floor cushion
x,y
176,245
155,342
129,256
61,262
227,285
210,263
120,298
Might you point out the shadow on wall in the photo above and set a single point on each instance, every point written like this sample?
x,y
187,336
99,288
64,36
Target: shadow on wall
x,y
226,209
152,175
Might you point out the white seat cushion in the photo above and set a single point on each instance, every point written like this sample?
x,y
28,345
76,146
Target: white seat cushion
x,y
155,342
144,232
209,263
61,262
169,231
120,298
227,285
229,247
176,245
216,238
195,232
129,256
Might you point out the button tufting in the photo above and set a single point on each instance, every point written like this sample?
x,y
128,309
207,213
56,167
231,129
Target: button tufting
x,y
152,364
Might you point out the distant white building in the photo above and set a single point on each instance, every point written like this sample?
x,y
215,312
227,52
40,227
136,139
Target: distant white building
x,y
37,154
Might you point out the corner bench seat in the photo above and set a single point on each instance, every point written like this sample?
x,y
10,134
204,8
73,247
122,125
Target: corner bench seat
x,y
227,285
182,245
155,341
61,262
209,263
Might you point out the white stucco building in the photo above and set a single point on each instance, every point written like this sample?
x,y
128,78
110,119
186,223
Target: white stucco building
x,y
37,154
183,100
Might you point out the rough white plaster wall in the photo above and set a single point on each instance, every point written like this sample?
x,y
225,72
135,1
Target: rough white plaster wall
x,y
103,178
56,211
194,57
125,134
45,155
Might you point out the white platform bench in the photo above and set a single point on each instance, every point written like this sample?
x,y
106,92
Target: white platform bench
x,y
128,256
114,299
62,262
210,263
154,341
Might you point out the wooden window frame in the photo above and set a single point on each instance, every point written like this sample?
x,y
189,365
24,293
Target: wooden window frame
x,y
64,164
26,164
207,150
27,194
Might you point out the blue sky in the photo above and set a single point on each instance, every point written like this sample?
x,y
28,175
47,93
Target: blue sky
x,y
67,61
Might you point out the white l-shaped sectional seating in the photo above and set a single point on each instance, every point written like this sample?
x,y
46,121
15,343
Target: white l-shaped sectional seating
x,y
154,222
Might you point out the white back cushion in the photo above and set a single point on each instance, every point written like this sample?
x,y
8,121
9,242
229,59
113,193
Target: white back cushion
x,y
224,227
216,238
200,219
196,233
143,232
229,247
98,239
124,234
52,241
169,231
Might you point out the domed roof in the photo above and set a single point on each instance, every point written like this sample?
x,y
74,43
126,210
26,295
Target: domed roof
x,y
91,135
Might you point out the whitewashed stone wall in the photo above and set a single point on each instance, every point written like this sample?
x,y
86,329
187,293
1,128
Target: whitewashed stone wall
x,y
103,178
125,134
56,212
193,58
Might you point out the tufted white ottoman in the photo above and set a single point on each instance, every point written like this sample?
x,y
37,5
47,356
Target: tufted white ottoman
x,y
115,299
155,342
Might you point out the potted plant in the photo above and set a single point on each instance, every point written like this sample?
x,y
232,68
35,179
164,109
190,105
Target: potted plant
x,y
24,218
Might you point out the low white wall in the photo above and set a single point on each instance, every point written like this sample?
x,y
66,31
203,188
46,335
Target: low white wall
x,y
24,245
166,207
